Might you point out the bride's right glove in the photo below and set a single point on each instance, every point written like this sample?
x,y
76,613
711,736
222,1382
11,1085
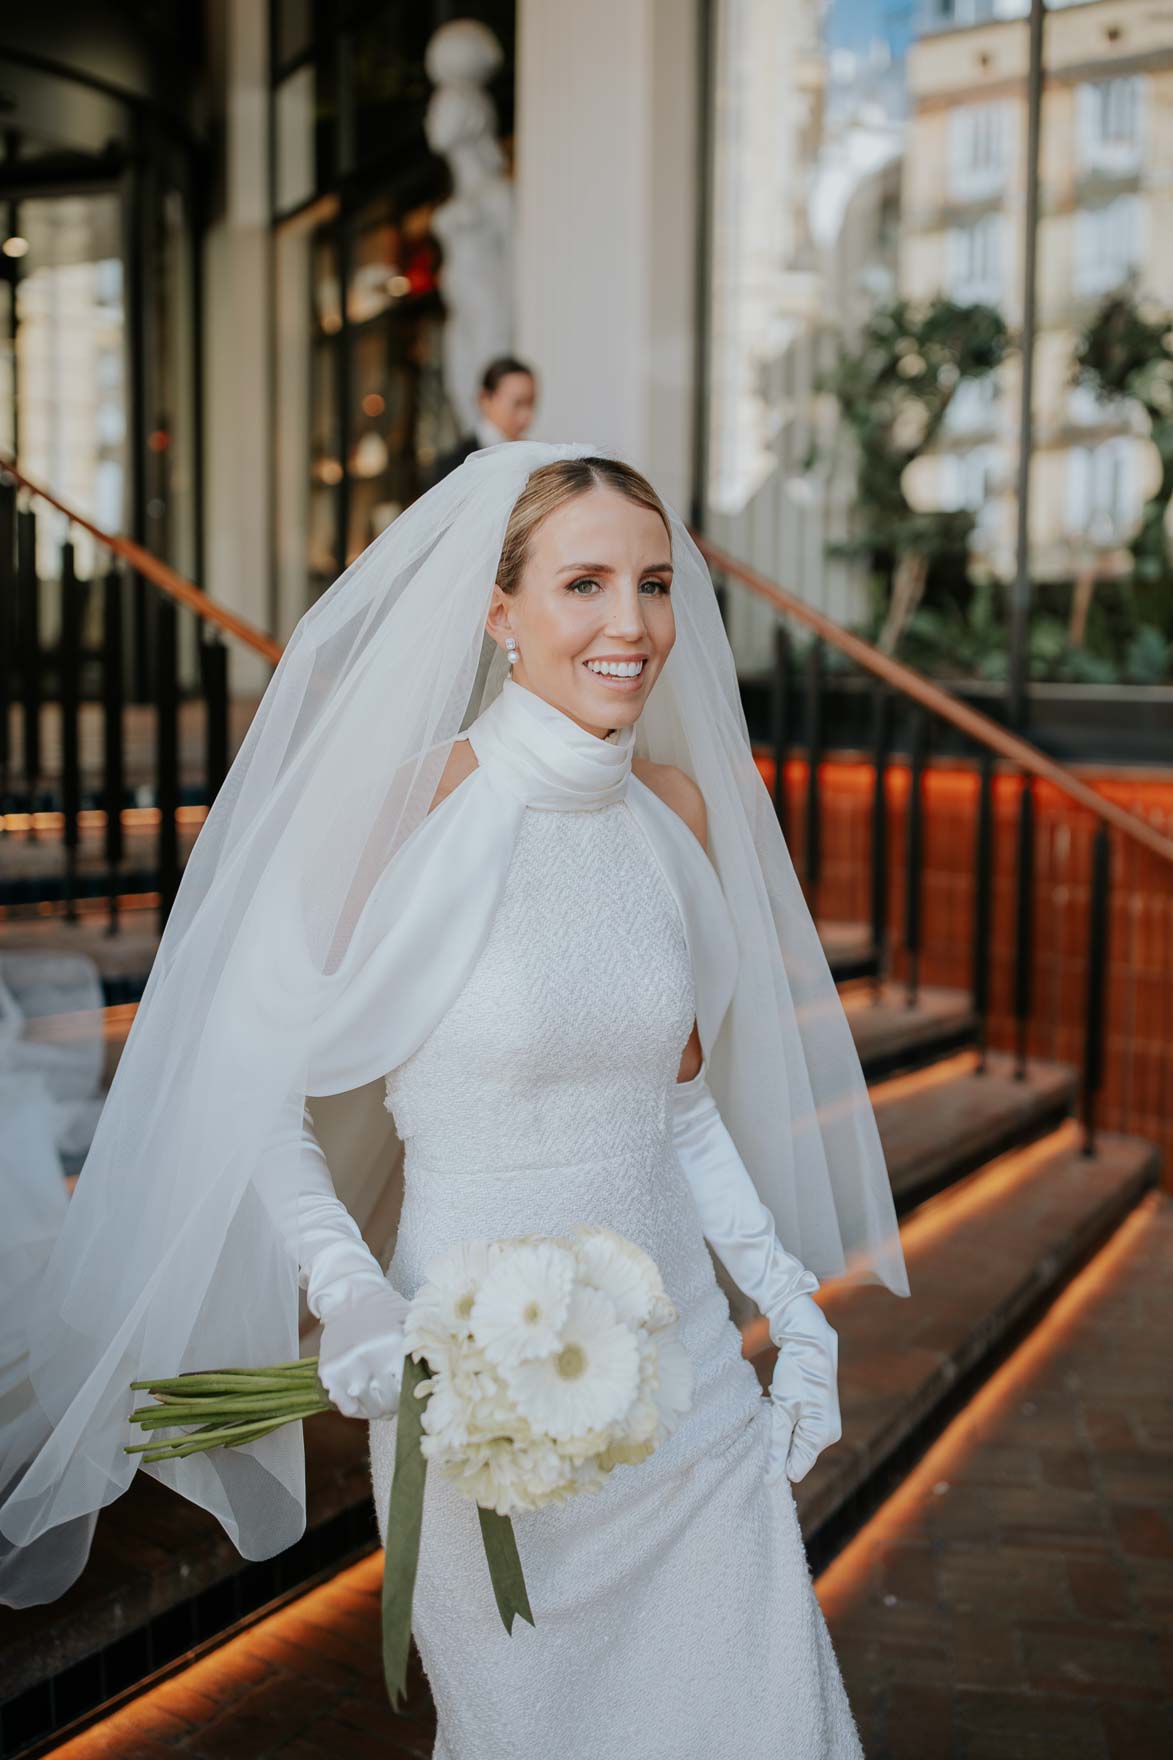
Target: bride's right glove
x,y
804,1388
360,1357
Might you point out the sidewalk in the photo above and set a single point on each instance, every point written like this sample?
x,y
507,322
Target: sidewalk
x,y
1014,1599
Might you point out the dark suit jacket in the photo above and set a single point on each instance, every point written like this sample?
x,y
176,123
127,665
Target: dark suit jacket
x,y
448,461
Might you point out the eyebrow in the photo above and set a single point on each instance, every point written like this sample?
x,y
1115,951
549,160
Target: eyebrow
x,y
605,568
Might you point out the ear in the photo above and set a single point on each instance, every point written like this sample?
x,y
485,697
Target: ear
x,y
497,621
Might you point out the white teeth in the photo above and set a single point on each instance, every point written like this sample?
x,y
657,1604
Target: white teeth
x,y
616,668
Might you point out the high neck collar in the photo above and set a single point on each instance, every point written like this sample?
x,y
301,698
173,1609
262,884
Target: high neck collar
x,y
544,758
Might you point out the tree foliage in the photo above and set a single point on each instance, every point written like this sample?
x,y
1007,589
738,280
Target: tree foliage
x,y
1127,352
893,391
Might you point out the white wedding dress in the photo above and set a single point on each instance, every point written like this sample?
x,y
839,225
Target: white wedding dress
x,y
675,1616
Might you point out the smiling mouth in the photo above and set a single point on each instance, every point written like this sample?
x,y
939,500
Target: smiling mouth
x,y
617,672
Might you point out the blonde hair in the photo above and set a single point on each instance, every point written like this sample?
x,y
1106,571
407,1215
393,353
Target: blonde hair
x,y
552,486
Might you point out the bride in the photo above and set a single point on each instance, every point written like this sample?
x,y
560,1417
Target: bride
x,y
490,931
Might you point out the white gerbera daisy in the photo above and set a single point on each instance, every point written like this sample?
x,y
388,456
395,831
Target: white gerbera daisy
x,y
522,1303
445,1416
674,1386
622,1271
442,1307
588,1380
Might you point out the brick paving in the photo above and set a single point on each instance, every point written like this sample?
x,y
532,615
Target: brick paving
x,y
1013,1599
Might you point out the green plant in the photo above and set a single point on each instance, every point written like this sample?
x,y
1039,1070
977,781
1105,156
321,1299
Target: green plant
x,y
893,390
966,635
1127,352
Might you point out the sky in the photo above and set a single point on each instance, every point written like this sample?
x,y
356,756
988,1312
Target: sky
x,y
853,24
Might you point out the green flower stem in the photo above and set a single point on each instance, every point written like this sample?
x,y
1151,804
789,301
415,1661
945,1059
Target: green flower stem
x,y
258,1405
173,1451
220,1383
230,1421
275,1368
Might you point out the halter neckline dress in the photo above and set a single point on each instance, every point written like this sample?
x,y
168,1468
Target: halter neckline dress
x,y
675,1615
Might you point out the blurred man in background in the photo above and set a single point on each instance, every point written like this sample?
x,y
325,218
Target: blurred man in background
x,y
507,398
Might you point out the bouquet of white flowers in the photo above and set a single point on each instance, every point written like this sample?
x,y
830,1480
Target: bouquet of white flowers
x,y
535,1365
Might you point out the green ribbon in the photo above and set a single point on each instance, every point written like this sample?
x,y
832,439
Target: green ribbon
x,y
405,1515
504,1567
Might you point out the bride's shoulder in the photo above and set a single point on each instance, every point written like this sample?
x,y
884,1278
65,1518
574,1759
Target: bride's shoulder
x,y
461,763
678,791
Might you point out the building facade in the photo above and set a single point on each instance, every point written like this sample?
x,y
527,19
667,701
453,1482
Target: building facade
x,y
1106,223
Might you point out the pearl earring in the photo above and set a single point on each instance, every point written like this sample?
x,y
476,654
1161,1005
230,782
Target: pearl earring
x,y
510,650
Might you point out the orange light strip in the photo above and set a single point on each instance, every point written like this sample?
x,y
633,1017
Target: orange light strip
x,y
94,819
84,907
918,1080
210,1684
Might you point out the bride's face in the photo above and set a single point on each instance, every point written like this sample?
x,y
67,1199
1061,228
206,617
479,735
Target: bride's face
x,y
596,587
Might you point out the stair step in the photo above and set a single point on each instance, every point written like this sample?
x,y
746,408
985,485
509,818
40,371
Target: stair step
x,y
32,869
123,960
891,1036
163,1577
984,1261
850,950
938,1124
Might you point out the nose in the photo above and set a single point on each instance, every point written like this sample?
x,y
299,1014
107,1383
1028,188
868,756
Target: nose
x,y
628,622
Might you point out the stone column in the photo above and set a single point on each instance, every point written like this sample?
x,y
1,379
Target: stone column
x,y
607,211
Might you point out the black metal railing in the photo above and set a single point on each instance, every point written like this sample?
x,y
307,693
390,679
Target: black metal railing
x,y
794,706
109,639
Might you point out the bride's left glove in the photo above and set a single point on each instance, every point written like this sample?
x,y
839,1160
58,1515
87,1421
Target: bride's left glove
x,y
360,1357
804,1387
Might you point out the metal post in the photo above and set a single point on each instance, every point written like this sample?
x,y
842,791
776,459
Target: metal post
x,y
1020,597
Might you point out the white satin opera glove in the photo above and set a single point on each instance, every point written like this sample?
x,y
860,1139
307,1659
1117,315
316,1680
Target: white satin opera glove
x,y
360,1357
804,1387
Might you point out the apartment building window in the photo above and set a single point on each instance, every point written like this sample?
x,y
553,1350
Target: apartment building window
x,y
1107,245
942,15
976,261
1108,124
973,408
978,138
972,479
1103,491
1087,409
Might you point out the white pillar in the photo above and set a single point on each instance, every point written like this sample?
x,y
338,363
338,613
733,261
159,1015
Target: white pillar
x,y
607,211
236,325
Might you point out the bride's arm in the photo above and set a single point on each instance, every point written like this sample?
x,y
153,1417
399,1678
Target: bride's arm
x,y
360,1358
742,1232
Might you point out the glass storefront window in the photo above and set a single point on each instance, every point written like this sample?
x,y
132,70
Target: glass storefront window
x,y
294,169
361,412
389,88
7,373
293,29
69,358
390,301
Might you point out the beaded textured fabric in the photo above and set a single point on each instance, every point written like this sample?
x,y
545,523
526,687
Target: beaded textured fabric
x,y
675,1613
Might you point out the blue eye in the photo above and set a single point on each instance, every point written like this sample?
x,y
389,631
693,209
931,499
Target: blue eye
x,y
584,582
660,586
